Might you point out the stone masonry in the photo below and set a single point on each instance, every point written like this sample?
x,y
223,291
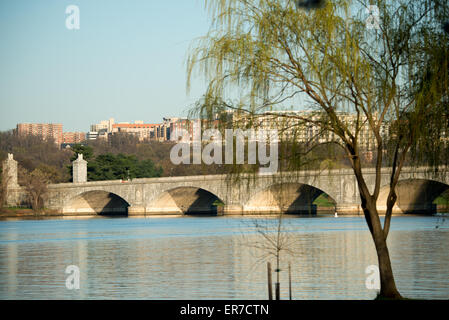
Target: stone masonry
x,y
158,195
79,169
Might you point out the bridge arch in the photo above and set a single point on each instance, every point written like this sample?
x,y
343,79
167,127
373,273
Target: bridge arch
x,y
414,195
189,200
96,202
292,197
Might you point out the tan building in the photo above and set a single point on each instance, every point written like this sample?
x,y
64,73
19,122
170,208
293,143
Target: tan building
x,y
290,126
103,126
139,129
44,130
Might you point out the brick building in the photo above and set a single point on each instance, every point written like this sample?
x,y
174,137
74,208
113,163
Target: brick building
x,y
44,130
73,137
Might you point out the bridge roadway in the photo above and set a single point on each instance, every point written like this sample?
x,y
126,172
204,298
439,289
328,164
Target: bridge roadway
x,y
288,192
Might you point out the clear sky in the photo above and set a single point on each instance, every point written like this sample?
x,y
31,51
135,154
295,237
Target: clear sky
x,y
127,61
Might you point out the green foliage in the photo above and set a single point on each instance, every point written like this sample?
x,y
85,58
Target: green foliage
x,y
442,199
32,152
111,167
86,150
218,203
323,200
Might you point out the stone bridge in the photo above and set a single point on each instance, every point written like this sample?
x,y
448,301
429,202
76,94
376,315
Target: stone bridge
x,y
292,192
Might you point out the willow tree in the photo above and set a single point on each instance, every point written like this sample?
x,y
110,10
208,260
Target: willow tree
x,y
388,71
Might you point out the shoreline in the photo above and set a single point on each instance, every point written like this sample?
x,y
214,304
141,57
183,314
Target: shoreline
x,y
28,214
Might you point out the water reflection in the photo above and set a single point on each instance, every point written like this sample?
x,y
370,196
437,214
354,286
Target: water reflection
x,y
209,258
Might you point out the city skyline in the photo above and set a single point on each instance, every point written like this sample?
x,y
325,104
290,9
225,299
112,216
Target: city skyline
x,y
55,75
89,123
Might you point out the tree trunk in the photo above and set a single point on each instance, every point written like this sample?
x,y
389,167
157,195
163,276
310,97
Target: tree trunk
x,y
387,283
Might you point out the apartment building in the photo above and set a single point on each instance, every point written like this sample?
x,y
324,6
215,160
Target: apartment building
x,y
292,126
44,130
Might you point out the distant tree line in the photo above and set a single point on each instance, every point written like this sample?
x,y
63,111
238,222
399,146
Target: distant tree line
x,y
123,152
111,166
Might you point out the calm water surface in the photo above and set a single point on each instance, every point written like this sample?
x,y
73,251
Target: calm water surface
x,y
215,258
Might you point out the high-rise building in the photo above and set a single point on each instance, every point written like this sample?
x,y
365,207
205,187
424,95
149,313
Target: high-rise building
x,y
100,130
44,130
103,126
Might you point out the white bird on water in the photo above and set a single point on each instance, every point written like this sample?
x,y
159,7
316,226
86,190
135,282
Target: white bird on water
x,y
336,214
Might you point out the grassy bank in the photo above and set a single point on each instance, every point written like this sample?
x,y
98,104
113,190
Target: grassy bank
x,y
324,200
443,199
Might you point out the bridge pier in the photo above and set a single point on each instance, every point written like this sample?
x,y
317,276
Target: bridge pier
x,y
411,208
349,209
233,209
136,211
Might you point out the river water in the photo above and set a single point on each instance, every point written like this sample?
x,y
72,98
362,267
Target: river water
x,y
216,257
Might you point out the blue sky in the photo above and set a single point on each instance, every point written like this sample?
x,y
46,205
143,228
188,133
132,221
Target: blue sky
x,y
127,61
